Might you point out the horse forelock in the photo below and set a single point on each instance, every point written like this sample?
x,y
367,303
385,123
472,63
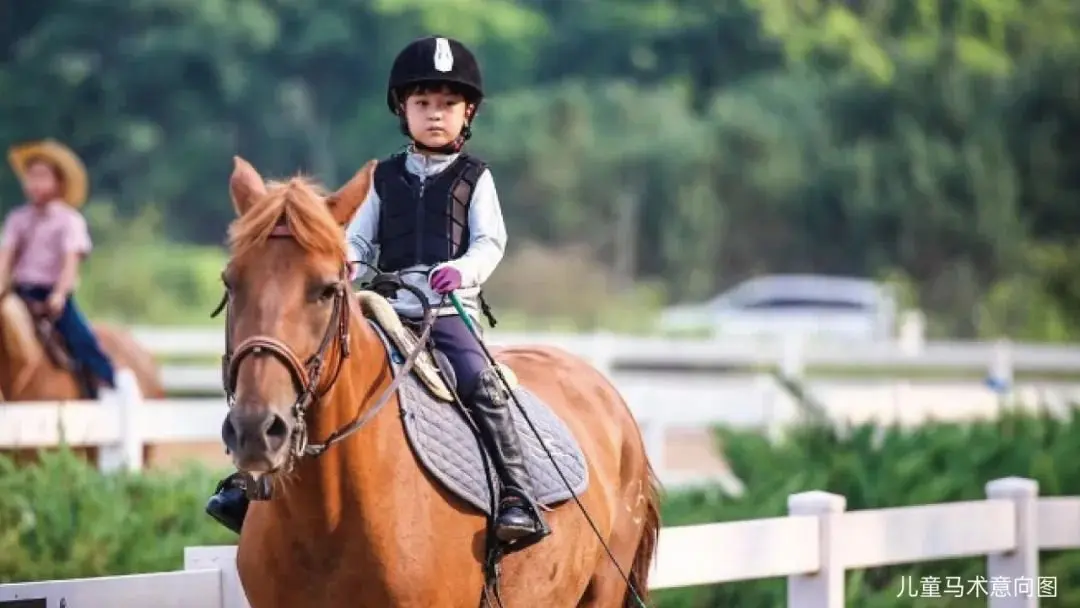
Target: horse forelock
x,y
298,204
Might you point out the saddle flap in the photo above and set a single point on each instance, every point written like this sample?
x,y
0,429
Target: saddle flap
x,y
445,442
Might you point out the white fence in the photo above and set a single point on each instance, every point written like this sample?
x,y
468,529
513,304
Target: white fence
x,y
812,547
650,373
613,352
122,423
653,372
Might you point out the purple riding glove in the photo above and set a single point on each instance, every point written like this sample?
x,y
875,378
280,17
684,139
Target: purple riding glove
x,y
445,280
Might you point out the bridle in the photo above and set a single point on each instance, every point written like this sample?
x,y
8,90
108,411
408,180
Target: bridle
x,y
307,374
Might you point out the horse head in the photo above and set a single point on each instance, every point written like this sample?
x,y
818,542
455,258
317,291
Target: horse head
x,y
288,311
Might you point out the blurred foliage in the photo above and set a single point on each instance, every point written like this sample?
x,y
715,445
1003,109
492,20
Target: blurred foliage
x,y
133,277
681,144
61,518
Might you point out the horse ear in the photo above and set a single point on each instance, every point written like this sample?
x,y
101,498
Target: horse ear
x,y
245,185
344,203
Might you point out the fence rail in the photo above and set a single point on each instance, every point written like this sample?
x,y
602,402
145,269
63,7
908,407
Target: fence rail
x,y
812,548
612,351
122,423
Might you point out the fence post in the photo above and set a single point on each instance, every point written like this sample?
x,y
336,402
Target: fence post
x,y
999,375
1017,570
222,559
824,588
774,412
128,452
911,336
793,357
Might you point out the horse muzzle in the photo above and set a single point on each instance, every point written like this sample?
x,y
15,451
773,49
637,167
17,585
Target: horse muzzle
x,y
257,439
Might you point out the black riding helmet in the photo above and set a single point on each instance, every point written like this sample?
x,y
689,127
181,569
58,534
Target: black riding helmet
x,y
434,60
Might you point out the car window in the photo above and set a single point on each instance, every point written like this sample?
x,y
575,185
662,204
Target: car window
x,y
805,303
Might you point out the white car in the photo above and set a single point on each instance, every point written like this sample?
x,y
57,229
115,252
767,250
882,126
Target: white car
x,y
821,306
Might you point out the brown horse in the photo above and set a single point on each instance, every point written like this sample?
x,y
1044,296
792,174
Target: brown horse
x,y
364,525
27,373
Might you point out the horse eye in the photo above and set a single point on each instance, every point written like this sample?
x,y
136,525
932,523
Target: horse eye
x,y
328,292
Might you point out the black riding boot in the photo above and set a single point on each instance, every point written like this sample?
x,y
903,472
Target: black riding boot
x,y
229,504
517,515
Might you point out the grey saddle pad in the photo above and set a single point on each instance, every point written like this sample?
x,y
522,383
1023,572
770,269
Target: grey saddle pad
x,y
446,445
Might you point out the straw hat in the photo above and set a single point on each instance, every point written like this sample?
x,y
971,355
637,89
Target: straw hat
x,y
67,162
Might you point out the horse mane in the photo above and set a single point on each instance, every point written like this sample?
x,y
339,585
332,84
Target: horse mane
x,y
299,204
17,334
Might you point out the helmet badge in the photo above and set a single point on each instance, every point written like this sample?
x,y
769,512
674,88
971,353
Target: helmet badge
x,y
444,58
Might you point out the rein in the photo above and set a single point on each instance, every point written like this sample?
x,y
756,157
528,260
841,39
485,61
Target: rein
x,y
306,375
364,416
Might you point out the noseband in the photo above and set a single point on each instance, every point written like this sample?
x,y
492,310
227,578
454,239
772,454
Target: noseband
x,y
305,374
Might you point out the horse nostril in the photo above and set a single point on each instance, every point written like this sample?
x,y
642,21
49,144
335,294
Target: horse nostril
x,y
228,435
277,432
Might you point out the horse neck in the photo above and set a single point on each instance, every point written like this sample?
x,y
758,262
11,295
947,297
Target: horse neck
x,y
364,376
20,380
15,366
323,486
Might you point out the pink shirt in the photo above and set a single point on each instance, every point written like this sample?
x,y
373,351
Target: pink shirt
x,y
45,235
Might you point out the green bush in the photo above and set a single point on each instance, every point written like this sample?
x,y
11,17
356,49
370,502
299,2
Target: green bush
x,y
62,519
136,276
884,468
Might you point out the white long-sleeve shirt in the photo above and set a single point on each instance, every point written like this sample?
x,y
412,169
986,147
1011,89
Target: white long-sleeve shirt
x,y
487,241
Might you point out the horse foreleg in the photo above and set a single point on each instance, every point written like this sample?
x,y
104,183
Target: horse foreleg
x,y
606,589
607,586
632,544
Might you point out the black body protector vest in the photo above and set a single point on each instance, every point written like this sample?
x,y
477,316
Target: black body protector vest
x,y
425,221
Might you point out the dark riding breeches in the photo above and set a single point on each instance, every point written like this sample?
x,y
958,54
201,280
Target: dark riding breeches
x,y
73,326
453,338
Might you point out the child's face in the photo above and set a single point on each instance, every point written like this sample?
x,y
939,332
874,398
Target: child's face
x,y
435,118
41,184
